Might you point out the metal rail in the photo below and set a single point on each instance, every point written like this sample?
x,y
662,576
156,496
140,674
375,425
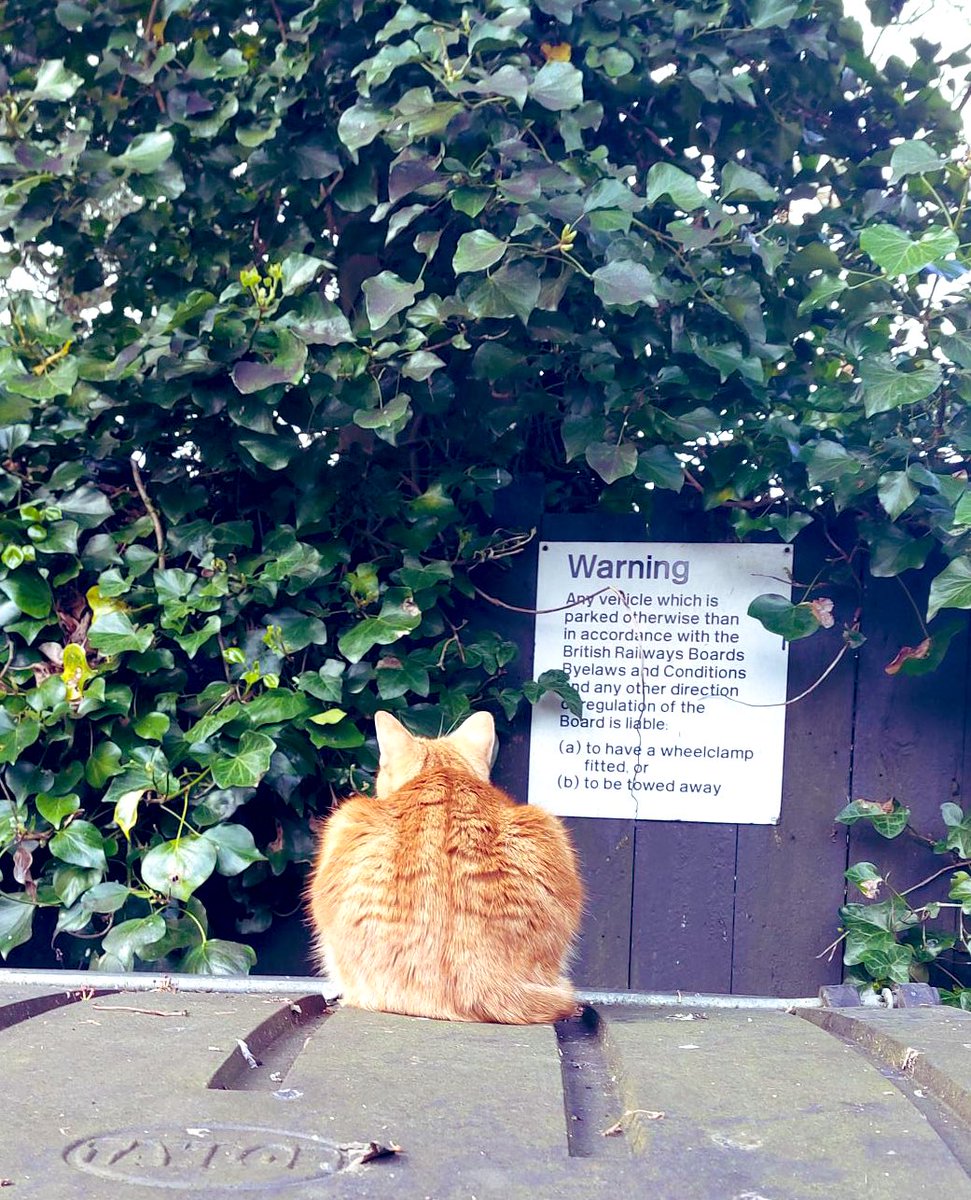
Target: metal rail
x,y
303,985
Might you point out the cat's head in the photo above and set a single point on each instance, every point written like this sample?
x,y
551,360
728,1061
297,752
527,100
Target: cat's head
x,y
403,756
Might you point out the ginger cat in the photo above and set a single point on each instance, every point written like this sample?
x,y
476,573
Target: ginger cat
x,y
440,896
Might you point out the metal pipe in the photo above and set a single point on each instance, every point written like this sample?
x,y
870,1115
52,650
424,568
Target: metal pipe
x,y
303,985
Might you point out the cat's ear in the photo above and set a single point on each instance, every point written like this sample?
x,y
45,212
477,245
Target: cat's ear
x,y
393,739
475,739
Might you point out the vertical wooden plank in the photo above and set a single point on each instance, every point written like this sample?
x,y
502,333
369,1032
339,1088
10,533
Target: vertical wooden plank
x,y
605,846
684,873
684,883
512,582
910,733
789,882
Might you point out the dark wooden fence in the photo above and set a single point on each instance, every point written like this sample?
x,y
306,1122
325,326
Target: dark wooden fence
x,y
751,908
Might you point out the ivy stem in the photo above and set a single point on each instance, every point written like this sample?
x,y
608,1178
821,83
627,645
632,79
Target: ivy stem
x,y
152,512
197,924
942,871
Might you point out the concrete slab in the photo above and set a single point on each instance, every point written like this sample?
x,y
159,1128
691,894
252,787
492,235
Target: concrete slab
x,y
141,1094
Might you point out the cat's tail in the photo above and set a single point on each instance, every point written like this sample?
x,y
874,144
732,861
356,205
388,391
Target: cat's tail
x,y
526,1003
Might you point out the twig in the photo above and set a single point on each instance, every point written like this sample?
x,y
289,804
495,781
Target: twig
x,y
147,1012
802,695
539,612
152,513
279,20
943,871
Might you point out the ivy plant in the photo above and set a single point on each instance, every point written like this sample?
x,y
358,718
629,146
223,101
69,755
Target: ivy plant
x,y
291,291
899,937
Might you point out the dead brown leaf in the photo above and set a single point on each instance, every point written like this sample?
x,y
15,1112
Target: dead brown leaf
x,y
358,1153
905,653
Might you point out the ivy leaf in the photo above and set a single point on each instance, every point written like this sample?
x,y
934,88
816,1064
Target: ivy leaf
x,y
235,848
285,366
218,957
896,493
765,14
114,633
896,253
399,615
477,251
29,591
81,844
624,282
55,82
781,616
558,86
16,921
914,157
951,588
361,124
866,877
387,294
103,762
611,462
884,387
178,867
55,808
737,179
665,179
248,765
146,152
888,818
123,941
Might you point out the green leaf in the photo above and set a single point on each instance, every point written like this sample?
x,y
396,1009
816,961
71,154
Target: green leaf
x,y
888,818
55,82
824,290
558,86
105,897
611,462
884,387
29,591
114,633
477,251
914,157
285,366
248,765
665,179
951,588
866,877
960,890
398,616
276,707
737,179
235,848
896,253
361,124
781,616
178,867
193,640
16,920
102,763
55,808
765,14
80,844
129,938
146,152
896,493
217,957
153,726
557,682
387,294
624,282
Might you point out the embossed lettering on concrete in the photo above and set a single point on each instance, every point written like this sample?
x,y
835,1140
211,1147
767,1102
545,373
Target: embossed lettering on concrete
x,y
245,1158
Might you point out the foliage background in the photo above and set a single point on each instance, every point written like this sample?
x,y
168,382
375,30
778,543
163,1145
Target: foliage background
x,y
293,290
